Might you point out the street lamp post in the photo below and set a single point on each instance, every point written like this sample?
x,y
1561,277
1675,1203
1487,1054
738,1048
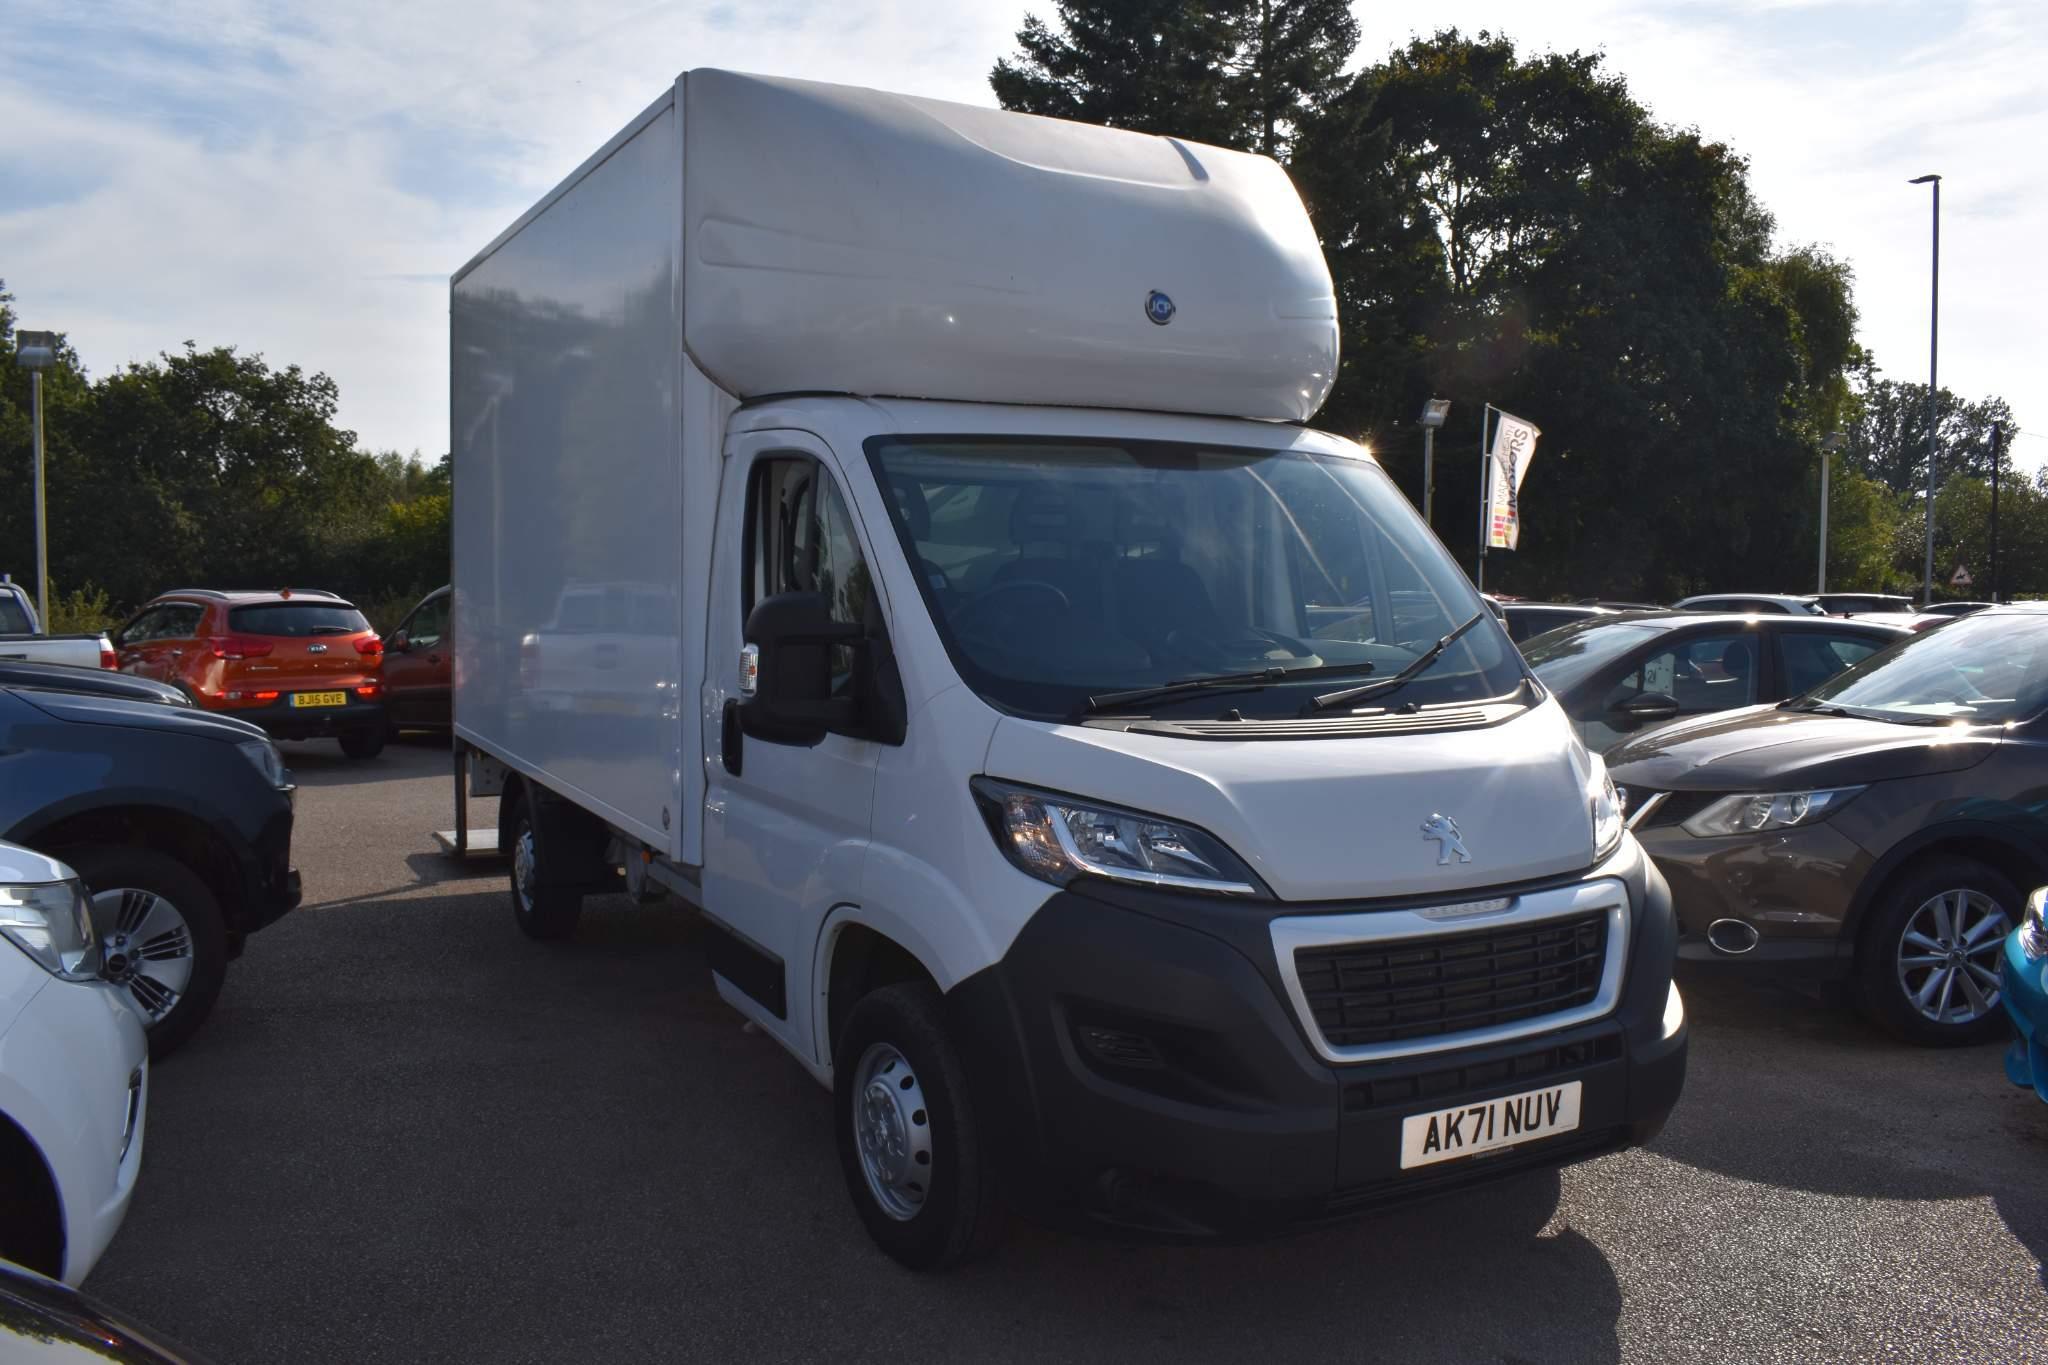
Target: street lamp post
x,y
1829,444
35,352
1933,352
1433,413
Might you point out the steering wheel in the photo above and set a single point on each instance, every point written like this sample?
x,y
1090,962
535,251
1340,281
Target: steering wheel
x,y
968,619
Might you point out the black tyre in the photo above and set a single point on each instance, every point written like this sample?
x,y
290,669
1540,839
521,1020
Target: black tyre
x,y
543,912
915,1158
364,743
162,935
1927,968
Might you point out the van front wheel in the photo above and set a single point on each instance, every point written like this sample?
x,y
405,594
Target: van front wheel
x,y
915,1159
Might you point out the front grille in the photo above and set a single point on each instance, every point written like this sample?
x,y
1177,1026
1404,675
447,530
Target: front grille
x,y
1367,993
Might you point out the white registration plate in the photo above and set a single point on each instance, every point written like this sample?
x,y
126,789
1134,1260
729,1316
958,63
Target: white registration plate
x,y
1448,1134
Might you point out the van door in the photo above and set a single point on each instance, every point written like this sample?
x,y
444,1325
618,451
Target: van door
x,y
785,826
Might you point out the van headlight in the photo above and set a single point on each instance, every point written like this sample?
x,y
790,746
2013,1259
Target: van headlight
x,y
1057,838
52,923
1603,802
1761,812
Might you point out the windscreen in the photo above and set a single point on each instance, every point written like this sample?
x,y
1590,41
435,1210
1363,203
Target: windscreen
x,y
13,616
1064,571
1567,656
297,619
1985,669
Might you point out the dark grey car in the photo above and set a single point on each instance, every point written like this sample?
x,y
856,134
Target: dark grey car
x,y
1620,674
1884,828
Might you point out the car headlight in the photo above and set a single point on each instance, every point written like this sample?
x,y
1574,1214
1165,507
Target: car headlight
x,y
1603,801
1759,812
1058,838
2034,925
268,761
52,923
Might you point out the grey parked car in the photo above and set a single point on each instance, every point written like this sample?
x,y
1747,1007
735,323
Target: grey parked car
x,y
1759,603
1616,675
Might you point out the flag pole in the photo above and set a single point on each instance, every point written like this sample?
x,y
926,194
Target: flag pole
x,y
1485,496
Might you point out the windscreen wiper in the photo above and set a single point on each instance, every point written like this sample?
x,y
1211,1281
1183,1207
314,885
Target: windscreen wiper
x,y
1216,682
1399,680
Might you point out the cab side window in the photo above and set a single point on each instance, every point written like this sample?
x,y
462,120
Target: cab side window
x,y
801,539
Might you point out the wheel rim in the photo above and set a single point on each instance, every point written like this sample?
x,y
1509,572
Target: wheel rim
x,y
146,948
522,866
1948,956
892,1128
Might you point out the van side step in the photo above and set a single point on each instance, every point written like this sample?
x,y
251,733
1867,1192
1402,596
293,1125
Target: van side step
x,y
482,843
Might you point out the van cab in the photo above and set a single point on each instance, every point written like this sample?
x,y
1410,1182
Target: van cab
x,y
1102,781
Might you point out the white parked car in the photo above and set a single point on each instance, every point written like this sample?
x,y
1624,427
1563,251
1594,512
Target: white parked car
x,y
74,1075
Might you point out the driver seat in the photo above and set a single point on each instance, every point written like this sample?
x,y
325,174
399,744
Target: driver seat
x,y
1157,593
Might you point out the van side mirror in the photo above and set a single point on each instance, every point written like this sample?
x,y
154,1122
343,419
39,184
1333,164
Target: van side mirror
x,y
1644,708
792,635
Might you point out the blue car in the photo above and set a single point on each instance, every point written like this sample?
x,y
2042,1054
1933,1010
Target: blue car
x,y
2025,990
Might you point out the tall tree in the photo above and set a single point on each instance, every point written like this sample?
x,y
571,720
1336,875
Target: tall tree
x,y
1157,66
1250,74
1888,434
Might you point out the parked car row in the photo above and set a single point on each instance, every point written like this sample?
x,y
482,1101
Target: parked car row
x,y
142,840
1829,797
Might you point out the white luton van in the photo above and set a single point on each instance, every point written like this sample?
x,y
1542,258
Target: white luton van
x,y
891,526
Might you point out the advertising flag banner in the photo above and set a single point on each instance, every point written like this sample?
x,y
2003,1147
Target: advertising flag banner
x,y
1514,446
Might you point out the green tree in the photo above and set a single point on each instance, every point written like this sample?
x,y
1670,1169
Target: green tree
x,y
1888,433
1250,74
1157,66
67,403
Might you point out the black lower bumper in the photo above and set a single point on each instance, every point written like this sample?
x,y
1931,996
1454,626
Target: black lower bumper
x,y
282,720
1800,959
271,883
1139,1064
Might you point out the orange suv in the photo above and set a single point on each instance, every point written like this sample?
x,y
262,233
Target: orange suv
x,y
301,663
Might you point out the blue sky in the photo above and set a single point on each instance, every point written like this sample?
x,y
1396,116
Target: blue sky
x,y
300,179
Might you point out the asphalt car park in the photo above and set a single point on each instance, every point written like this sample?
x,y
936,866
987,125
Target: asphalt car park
x,y
409,1133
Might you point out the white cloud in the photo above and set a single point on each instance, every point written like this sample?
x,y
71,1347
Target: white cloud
x,y
302,184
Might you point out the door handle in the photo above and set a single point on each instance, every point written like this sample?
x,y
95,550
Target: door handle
x,y
433,658
729,738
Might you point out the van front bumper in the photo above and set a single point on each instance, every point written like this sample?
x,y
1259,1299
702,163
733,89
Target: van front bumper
x,y
1138,1062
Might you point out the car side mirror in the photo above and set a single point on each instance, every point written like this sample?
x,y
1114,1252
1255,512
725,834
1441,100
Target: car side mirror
x,y
789,641
1645,708
398,643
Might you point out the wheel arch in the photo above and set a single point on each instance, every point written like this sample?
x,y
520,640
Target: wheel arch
x,y
1998,848
855,957
180,835
29,1187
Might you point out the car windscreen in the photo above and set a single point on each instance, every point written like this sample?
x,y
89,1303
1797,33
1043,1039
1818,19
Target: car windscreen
x,y
13,616
1565,657
1063,570
1985,669
297,620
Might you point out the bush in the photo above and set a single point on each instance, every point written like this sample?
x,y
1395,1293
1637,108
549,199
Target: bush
x,y
80,611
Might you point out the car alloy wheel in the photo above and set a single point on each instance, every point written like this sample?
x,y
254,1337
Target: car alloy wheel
x,y
147,948
1948,956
